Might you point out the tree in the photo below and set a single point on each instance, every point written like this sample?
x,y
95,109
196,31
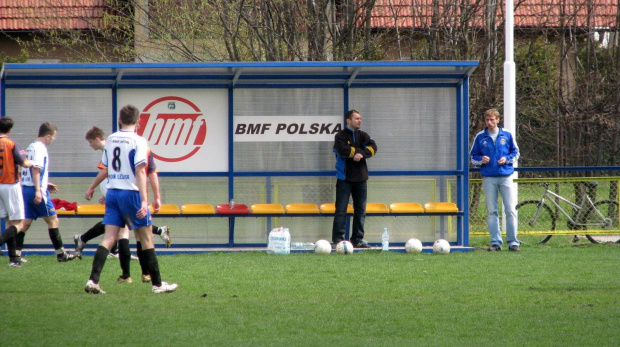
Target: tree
x,y
568,81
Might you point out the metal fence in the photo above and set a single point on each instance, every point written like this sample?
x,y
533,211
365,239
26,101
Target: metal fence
x,y
601,187
550,204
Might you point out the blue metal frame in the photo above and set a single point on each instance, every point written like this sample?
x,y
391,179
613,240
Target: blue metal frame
x,y
345,75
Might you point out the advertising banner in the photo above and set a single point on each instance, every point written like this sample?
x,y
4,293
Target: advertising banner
x,y
187,129
286,128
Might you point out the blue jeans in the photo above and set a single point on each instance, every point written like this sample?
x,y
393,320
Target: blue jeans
x,y
358,191
502,185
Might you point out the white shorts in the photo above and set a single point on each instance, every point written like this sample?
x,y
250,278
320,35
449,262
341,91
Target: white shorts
x,y
11,201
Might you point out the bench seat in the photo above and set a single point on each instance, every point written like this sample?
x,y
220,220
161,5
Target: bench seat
x,y
197,209
302,209
267,209
406,207
440,207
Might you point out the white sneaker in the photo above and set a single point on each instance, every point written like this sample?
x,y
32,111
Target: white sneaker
x,y
112,255
165,288
15,264
93,288
165,235
79,244
133,257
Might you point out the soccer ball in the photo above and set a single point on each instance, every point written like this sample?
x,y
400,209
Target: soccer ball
x,y
441,246
344,247
413,246
322,247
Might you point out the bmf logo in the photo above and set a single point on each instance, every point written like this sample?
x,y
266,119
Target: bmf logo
x,y
174,127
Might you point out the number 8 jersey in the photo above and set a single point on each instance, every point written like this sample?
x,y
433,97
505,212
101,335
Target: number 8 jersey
x,y
123,152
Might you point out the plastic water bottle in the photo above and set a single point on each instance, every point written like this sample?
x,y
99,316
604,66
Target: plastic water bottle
x,y
232,204
287,236
302,245
385,240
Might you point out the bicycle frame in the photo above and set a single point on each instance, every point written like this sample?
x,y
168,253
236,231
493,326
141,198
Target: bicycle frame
x,y
586,201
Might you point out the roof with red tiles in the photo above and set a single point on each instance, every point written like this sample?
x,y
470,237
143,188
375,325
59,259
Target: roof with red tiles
x,y
527,13
85,14
50,14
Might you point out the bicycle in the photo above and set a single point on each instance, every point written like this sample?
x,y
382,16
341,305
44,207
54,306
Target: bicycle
x,y
534,214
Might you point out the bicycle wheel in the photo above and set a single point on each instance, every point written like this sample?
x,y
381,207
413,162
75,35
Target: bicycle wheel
x,y
609,209
534,217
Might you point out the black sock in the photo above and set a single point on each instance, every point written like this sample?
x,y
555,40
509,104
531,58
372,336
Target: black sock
x,y
98,262
97,230
55,238
144,266
151,260
114,248
8,234
124,257
155,230
19,240
8,237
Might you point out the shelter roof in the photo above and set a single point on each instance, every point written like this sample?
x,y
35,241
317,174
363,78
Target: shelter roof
x,y
271,74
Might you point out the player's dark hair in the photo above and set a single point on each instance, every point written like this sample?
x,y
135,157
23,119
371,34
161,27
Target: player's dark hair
x,y
47,128
6,124
350,114
129,114
94,133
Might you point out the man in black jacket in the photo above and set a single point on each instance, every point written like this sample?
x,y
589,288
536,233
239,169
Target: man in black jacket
x,y
352,146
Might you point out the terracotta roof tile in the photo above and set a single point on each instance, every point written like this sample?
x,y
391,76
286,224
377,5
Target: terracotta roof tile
x,y
529,13
50,14
83,14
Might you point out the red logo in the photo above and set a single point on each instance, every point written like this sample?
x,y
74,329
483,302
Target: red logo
x,y
174,127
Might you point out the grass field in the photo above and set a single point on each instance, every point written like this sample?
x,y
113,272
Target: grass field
x,y
556,294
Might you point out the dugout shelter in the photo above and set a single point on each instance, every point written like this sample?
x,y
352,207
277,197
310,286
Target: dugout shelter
x,y
259,133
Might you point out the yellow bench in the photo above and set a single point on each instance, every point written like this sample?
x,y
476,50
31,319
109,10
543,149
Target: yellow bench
x,y
197,209
66,213
90,209
331,208
376,207
440,207
406,207
267,209
168,209
302,209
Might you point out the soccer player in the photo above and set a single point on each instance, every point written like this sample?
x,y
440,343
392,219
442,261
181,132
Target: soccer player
x,y
96,139
125,158
36,193
11,201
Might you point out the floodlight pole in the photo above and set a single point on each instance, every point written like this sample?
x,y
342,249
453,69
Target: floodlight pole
x,y
509,72
510,86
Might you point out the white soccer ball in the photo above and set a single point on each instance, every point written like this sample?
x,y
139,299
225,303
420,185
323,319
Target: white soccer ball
x,y
441,246
413,246
344,247
322,247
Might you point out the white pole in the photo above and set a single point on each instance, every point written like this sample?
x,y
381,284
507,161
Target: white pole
x,y
509,72
510,86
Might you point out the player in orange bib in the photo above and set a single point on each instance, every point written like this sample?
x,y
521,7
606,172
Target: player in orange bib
x,y
11,200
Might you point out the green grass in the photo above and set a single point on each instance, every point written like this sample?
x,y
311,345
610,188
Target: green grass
x,y
557,294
